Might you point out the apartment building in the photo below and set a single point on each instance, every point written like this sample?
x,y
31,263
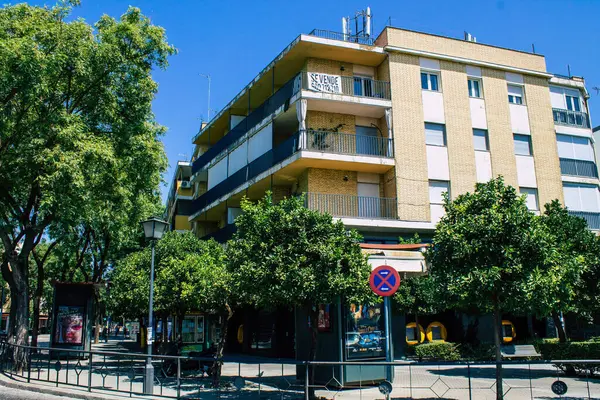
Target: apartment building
x,y
374,131
179,202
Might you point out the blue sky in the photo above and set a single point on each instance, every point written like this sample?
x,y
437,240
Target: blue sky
x,y
233,40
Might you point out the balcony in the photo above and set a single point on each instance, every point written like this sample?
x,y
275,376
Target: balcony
x,y
571,118
592,218
360,39
582,168
341,205
346,85
344,143
223,234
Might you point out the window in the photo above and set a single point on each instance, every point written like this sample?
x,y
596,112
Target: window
x,y
436,190
574,147
573,103
522,145
532,198
515,94
429,81
435,134
474,87
480,140
581,197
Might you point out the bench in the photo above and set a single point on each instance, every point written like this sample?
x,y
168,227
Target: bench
x,y
519,351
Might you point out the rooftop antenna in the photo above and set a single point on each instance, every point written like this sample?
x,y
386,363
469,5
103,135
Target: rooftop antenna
x,y
533,48
569,70
363,25
207,76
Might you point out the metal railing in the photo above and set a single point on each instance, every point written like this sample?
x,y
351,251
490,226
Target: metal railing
x,y
570,118
342,205
344,143
360,39
578,168
190,377
353,86
592,218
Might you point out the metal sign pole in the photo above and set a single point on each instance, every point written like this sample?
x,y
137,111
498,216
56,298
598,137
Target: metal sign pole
x,y
388,336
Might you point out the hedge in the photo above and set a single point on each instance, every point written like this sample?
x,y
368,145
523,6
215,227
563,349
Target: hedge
x,y
552,350
437,351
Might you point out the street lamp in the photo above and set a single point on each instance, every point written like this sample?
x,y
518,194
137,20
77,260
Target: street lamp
x,y
154,229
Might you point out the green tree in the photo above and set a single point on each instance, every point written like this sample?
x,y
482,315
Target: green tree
x,y
76,126
484,253
419,295
561,281
287,255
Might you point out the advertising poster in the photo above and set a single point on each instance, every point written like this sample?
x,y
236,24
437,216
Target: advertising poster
x,y
365,334
69,325
323,320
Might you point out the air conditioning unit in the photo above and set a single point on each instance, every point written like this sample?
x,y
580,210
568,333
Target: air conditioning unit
x,y
186,184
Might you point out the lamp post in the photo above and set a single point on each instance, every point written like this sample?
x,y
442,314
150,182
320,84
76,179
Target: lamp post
x,y
154,229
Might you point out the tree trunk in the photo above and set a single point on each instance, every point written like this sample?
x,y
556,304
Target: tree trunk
x,y
36,320
20,298
417,328
312,356
562,335
218,363
498,342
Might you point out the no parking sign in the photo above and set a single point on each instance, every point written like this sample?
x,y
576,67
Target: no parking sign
x,y
384,280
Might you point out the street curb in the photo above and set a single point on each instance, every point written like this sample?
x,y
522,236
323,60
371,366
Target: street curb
x,y
9,382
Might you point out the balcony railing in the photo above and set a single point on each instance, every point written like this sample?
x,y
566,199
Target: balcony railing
x,y
344,143
360,39
592,218
278,99
342,205
578,168
570,118
352,86
250,171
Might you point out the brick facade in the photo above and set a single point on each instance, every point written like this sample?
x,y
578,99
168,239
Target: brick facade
x,y
412,183
502,150
459,131
543,140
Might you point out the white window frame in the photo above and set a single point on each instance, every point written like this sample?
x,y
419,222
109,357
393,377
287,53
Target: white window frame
x,y
530,145
486,137
522,96
434,182
531,192
471,87
572,103
570,140
582,206
429,73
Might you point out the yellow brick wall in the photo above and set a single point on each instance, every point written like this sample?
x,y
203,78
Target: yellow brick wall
x,y
204,228
330,67
502,151
318,120
409,138
331,181
389,183
302,182
279,192
459,131
463,49
182,223
543,138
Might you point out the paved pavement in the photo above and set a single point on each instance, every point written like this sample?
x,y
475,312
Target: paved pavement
x,y
7,393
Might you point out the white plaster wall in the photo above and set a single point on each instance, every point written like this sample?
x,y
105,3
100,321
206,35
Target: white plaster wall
x,y
519,119
437,163
437,212
433,106
526,171
478,116
483,166
429,63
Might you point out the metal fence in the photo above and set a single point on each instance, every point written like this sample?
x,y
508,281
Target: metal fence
x,y
360,39
342,205
578,168
188,377
570,118
344,143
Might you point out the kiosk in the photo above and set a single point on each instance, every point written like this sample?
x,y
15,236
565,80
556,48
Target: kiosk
x,y
71,317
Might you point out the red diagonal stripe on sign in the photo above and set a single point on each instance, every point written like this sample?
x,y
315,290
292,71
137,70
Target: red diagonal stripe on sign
x,y
384,280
